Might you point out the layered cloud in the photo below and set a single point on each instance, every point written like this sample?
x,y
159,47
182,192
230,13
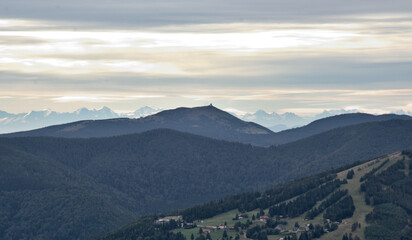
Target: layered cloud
x,y
274,55
101,98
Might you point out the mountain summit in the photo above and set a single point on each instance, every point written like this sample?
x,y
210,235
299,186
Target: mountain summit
x,y
207,121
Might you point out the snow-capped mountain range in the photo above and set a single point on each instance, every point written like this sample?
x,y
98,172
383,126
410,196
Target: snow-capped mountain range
x,y
10,122
274,121
36,119
279,122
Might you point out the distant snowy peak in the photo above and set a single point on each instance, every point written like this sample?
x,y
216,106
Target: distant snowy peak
x,y
105,112
39,114
330,113
145,111
37,119
402,112
278,122
10,122
4,114
141,112
275,120
289,115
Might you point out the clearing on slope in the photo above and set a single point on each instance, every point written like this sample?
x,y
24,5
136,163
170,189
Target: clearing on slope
x,y
296,226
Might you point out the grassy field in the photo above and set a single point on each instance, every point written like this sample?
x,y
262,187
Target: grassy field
x,y
216,221
195,231
353,188
362,209
225,217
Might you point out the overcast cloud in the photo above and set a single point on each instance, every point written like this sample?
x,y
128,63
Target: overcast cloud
x,y
274,55
119,13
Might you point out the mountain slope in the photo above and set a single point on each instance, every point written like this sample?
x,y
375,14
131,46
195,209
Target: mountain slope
x,y
330,206
206,121
341,146
160,170
43,199
329,123
100,183
38,119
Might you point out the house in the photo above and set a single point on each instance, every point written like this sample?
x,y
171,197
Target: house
x,y
263,218
162,220
221,226
281,228
168,218
189,226
206,230
176,218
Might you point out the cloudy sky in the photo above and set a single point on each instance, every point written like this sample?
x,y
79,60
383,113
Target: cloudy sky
x,y
298,56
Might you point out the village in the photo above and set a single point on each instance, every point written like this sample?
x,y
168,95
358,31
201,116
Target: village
x,y
312,223
237,227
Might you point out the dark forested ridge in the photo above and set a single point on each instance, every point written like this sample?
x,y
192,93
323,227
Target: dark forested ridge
x,y
314,186
273,217
100,183
207,121
93,185
342,146
329,123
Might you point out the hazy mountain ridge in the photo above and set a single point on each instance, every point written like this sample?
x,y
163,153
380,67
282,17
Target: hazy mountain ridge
x,y
10,122
207,121
37,119
342,145
329,123
278,122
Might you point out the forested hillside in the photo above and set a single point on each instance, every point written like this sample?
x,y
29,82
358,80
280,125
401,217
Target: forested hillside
x,y
342,146
91,186
368,200
101,183
329,123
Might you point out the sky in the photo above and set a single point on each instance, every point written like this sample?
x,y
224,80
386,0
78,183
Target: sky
x,y
279,56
